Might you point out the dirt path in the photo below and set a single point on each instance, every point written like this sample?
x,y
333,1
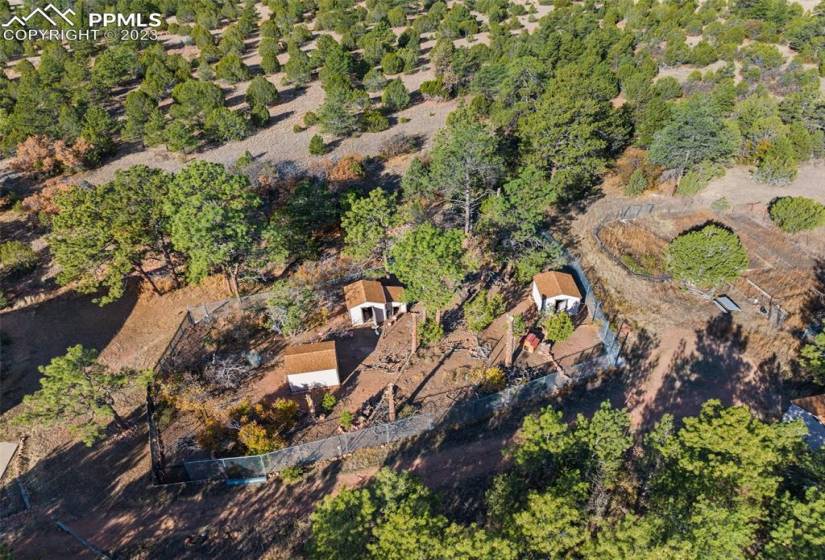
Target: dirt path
x,y
739,188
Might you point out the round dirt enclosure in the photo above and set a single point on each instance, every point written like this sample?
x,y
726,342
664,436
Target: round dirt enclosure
x,y
634,247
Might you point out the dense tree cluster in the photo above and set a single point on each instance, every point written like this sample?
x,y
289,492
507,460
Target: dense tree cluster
x,y
202,219
722,485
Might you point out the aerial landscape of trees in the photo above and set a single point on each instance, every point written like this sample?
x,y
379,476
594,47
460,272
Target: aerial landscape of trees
x,y
724,484
123,176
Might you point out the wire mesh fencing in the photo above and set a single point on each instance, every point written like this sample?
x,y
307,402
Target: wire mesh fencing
x,y
338,446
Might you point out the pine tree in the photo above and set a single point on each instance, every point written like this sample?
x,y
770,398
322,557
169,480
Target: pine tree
x,y
77,391
367,225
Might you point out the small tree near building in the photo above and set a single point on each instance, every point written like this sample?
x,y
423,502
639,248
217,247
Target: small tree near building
x,y
367,224
558,327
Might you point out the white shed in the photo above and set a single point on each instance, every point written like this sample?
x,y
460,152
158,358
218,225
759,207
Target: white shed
x,y
311,365
811,410
556,291
370,301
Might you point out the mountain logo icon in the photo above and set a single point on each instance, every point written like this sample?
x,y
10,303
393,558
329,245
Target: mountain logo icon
x,y
44,13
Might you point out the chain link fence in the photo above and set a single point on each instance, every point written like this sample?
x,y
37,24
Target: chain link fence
x,y
462,414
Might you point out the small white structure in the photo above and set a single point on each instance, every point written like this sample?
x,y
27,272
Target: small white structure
x,y
370,301
556,291
311,365
811,410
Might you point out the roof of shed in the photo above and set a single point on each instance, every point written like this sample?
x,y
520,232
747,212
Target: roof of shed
x,y
304,358
371,291
815,405
552,284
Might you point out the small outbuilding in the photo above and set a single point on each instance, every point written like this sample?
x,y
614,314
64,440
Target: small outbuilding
x,y
531,343
309,366
556,291
811,410
371,301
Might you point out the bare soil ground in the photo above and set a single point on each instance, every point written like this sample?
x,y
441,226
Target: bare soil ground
x,y
682,351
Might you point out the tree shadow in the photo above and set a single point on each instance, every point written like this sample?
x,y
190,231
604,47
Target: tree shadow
x,y
716,368
105,495
38,333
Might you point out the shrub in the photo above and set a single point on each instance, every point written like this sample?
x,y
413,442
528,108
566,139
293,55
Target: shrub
x,y
697,179
17,257
482,310
291,475
812,357
395,96
348,168
223,125
434,89
707,256
346,420
374,80
259,115
328,402
549,255
289,308
776,162
720,205
797,213
430,332
636,184
519,326
231,68
558,327
261,92
397,17
375,121
391,63
283,415
489,380
180,137
398,144
317,146
257,440
310,119
409,59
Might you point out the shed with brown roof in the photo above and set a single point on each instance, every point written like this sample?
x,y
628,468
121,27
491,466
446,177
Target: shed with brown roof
x,y
311,365
555,291
371,301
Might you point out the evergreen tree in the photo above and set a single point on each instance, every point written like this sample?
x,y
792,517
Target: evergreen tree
x,y
367,225
429,262
465,165
78,392
103,234
212,220
696,133
395,96
706,257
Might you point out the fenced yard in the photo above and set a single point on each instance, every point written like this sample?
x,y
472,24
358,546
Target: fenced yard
x,y
255,467
461,409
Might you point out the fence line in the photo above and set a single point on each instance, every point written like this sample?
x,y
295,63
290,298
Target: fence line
x,y
335,447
